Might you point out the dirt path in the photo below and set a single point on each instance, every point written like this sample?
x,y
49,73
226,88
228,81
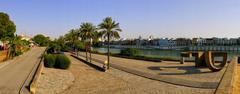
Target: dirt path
x,y
91,81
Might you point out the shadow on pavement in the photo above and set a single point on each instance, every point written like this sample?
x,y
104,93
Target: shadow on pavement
x,y
187,69
89,64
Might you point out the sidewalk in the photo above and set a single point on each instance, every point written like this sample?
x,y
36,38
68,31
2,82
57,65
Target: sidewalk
x,y
88,80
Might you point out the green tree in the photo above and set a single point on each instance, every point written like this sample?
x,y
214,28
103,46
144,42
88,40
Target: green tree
x,y
15,46
71,37
41,40
110,30
7,27
87,33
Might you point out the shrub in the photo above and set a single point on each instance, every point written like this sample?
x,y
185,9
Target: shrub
x,y
49,60
129,52
62,62
19,52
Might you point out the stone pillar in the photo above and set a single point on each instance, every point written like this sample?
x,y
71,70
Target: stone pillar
x,y
182,60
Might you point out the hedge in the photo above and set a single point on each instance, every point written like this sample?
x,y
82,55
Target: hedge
x,y
56,60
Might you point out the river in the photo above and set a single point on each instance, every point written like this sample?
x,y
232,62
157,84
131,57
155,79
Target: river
x,y
159,53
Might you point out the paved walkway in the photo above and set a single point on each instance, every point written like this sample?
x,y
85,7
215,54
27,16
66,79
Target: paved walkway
x,y
88,80
236,89
171,72
13,75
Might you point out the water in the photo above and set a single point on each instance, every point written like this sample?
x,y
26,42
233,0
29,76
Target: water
x,y
160,53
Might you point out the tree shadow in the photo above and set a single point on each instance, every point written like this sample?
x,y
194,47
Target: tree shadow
x,y
188,70
99,68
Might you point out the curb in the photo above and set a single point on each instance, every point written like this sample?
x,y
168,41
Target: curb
x,y
37,75
227,82
27,87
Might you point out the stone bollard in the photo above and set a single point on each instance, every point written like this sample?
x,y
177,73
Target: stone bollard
x,y
182,60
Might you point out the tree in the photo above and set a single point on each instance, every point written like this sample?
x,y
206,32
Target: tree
x,y
41,40
7,27
15,46
110,30
71,38
87,33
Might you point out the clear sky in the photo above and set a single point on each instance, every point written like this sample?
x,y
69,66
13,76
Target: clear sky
x,y
160,18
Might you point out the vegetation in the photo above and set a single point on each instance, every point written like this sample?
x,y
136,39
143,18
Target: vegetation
x,y
57,61
62,62
49,60
87,34
129,52
7,27
110,30
41,40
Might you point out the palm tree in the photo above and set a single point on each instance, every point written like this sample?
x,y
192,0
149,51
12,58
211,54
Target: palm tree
x,y
15,44
110,30
72,37
87,33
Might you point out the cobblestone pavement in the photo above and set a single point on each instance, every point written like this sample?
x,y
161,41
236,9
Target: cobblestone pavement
x,y
91,81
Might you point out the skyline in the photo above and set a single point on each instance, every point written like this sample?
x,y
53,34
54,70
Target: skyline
x,y
172,19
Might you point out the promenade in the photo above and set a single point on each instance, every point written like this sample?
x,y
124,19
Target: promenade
x,y
169,69
16,72
89,80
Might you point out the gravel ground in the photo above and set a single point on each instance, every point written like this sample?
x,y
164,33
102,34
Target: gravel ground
x,y
53,81
91,81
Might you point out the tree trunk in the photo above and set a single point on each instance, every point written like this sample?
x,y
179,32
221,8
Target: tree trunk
x,y
90,54
86,55
108,64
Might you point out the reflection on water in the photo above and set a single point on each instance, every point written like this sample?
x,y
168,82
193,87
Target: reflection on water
x,y
159,53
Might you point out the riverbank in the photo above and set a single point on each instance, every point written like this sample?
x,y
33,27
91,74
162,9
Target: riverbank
x,y
145,58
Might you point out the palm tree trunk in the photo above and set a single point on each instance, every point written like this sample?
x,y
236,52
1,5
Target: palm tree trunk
x,y
90,54
108,64
86,55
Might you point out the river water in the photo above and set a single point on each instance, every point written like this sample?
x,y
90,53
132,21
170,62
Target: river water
x,y
160,53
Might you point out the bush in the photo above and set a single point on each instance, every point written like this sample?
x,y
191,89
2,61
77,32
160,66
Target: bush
x,y
62,62
130,52
19,52
49,60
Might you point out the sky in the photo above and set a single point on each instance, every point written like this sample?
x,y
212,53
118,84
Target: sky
x,y
159,18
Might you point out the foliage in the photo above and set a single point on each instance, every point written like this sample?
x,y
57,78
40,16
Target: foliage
x,y
7,27
57,61
80,45
87,31
53,47
129,52
62,61
16,46
49,60
109,28
41,40
71,37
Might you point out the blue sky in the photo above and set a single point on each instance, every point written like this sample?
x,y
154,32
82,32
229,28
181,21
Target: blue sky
x,y
160,18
